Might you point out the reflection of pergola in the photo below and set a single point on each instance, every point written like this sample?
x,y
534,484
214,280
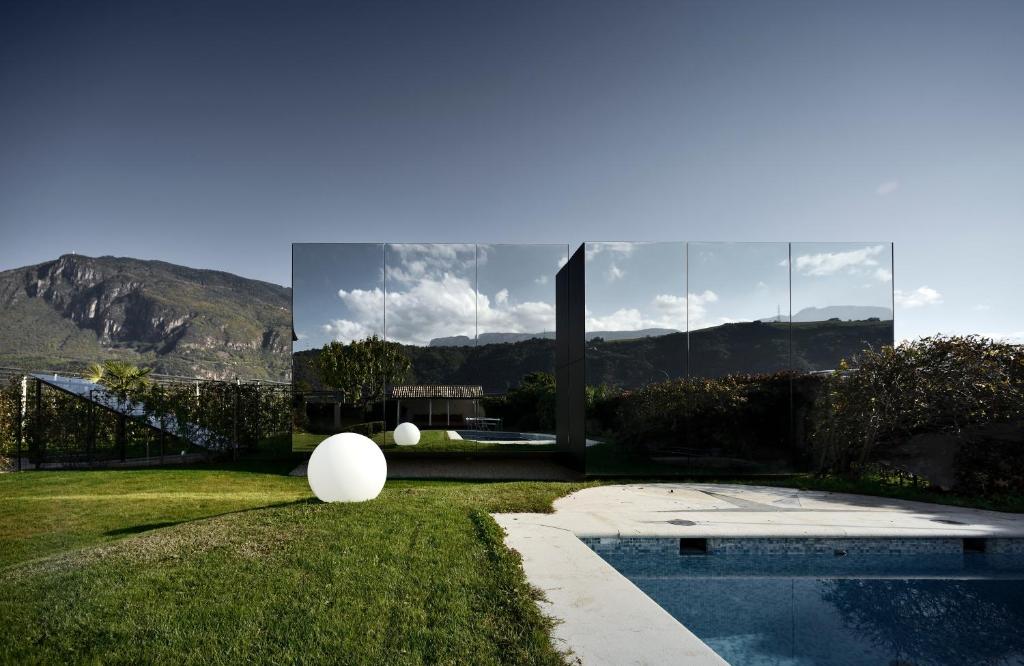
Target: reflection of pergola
x,y
464,397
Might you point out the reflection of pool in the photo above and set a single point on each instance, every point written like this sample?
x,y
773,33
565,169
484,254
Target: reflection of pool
x,y
865,606
501,437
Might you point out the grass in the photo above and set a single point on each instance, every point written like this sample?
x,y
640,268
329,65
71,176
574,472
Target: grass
x,y
431,441
242,565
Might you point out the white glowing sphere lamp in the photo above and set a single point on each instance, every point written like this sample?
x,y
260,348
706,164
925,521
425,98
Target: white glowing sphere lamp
x,y
347,467
407,434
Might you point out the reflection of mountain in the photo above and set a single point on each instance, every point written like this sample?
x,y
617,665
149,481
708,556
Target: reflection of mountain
x,y
498,338
841,312
748,347
730,348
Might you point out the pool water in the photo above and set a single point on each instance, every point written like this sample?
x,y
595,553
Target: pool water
x,y
498,436
845,609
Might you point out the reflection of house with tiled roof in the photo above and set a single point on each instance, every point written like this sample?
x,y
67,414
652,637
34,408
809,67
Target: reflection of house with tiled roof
x,y
436,404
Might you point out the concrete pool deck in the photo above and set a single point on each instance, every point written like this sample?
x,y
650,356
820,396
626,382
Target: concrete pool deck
x,y
605,619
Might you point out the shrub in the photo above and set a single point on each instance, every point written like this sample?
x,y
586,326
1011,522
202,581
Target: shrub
x,y
65,428
735,416
530,406
937,384
991,466
10,394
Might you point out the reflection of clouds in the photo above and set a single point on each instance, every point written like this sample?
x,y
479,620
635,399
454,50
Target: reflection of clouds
x,y
409,262
431,294
438,307
344,330
666,311
829,263
615,273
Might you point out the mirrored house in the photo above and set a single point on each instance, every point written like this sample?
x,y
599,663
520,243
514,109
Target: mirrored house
x,y
622,358
458,339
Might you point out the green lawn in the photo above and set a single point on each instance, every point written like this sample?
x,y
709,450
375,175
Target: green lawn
x,y
240,564
243,565
431,441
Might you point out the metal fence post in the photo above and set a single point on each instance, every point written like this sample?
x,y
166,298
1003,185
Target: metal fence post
x,y
234,421
259,410
37,434
91,442
22,406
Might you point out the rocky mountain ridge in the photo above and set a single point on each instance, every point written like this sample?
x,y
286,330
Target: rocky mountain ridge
x,y
76,309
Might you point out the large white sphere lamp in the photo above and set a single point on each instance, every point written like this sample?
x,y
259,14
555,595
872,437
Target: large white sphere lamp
x,y
347,467
407,434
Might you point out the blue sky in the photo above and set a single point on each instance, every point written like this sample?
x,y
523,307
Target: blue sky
x,y
215,134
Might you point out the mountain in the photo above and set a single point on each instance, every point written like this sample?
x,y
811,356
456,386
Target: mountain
x,y
499,338
75,310
746,347
840,312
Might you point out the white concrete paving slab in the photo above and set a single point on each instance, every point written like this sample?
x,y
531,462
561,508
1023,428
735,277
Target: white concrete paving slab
x,y
605,619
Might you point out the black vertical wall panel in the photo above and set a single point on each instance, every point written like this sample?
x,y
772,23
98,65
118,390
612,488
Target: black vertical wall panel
x,y
570,344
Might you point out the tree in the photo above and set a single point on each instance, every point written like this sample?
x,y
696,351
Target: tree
x,y
122,379
125,381
361,369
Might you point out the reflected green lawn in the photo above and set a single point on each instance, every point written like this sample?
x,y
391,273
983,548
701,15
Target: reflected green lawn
x,y
431,441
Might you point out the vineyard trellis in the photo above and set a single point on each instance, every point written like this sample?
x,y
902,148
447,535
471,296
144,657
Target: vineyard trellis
x,y
174,418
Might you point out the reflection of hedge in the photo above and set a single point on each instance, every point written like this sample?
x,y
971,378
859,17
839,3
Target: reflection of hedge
x,y
932,385
529,407
65,428
745,416
10,392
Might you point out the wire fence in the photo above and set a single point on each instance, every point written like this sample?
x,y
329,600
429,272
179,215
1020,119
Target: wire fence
x,y
172,420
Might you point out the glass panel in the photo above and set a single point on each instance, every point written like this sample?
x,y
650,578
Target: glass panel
x,y
636,313
635,333
842,301
432,316
337,297
739,395
738,308
515,355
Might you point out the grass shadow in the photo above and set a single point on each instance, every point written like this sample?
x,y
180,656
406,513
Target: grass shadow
x,y
138,529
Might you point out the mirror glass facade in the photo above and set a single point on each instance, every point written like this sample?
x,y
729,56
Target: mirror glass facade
x,y
677,358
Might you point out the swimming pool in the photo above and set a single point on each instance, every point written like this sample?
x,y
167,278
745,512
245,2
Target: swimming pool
x,y
837,601
503,437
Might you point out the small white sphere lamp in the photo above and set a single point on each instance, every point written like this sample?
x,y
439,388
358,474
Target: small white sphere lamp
x,y
346,467
407,434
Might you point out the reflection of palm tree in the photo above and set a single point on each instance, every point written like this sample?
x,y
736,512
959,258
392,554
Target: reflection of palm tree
x,y
122,379
933,621
126,382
